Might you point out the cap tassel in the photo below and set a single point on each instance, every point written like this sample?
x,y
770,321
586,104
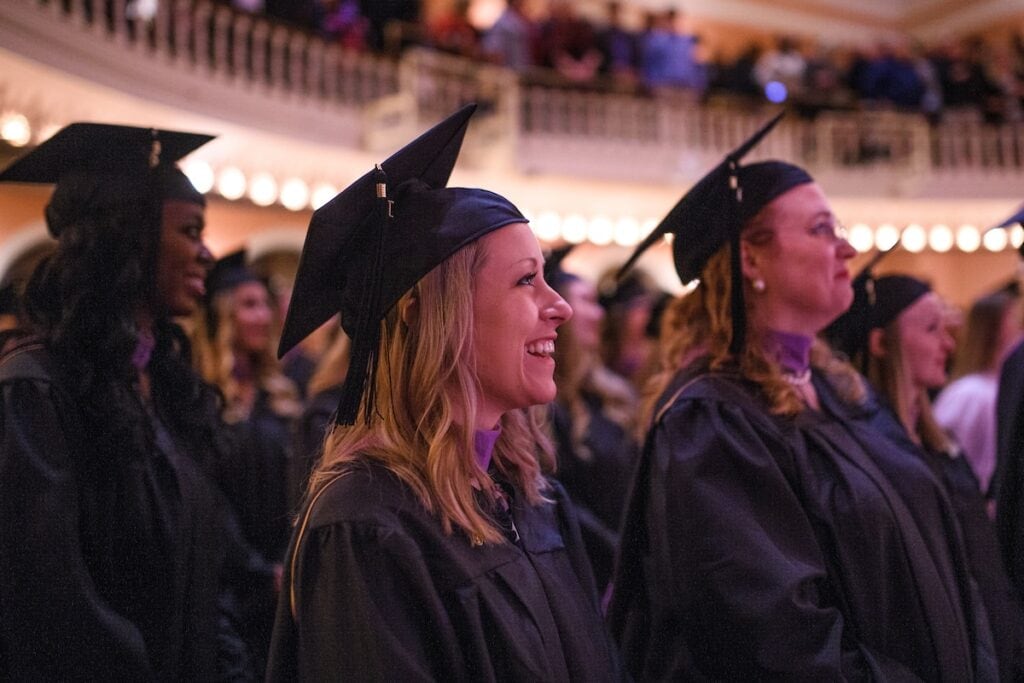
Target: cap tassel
x,y
737,304
360,381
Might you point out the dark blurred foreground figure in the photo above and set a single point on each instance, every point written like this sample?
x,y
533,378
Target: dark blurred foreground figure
x,y
771,534
111,541
593,419
899,335
432,546
1008,481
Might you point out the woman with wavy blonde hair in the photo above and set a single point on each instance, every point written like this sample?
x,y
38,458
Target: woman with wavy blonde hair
x,y
905,346
770,533
432,545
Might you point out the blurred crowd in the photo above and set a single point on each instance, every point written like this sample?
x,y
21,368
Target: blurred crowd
x,y
975,75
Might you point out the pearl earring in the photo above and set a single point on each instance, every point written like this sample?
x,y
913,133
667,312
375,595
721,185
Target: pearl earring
x,y
758,285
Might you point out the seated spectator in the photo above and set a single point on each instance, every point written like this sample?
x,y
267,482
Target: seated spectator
x,y
452,32
567,44
783,64
341,23
668,56
618,46
508,41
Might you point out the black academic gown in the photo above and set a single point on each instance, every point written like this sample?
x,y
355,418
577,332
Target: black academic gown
x,y
254,479
106,572
757,547
1008,481
977,539
308,441
597,484
382,593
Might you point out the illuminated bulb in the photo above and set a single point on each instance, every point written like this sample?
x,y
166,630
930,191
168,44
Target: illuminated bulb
x,y
1016,236
231,183
548,226
574,229
627,232
861,238
323,193
940,238
601,231
263,189
886,236
15,130
968,239
295,194
914,238
995,240
199,174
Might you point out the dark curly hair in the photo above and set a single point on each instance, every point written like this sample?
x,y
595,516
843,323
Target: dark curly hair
x,y
83,301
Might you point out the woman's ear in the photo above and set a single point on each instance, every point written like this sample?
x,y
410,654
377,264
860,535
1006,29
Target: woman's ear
x,y
750,260
876,343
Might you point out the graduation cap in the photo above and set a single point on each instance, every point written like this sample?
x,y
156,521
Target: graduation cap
x,y
553,273
876,303
227,273
89,152
376,239
713,213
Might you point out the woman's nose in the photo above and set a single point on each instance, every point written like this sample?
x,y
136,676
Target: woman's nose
x,y
558,309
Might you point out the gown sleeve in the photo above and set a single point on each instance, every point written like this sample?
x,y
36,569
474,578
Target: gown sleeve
x,y
745,580
55,625
368,609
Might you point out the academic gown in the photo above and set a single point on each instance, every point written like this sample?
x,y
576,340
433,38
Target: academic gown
x,y
598,484
107,572
760,547
308,441
1008,482
382,593
979,543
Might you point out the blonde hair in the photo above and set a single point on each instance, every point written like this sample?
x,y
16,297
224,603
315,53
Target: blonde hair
x,y
978,350
427,391
888,374
699,327
214,357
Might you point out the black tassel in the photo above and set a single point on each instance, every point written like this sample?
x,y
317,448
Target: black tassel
x,y
737,304
360,383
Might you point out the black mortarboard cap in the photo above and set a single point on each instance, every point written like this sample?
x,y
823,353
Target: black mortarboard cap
x,y
553,273
227,273
376,239
876,303
714,211
83,150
